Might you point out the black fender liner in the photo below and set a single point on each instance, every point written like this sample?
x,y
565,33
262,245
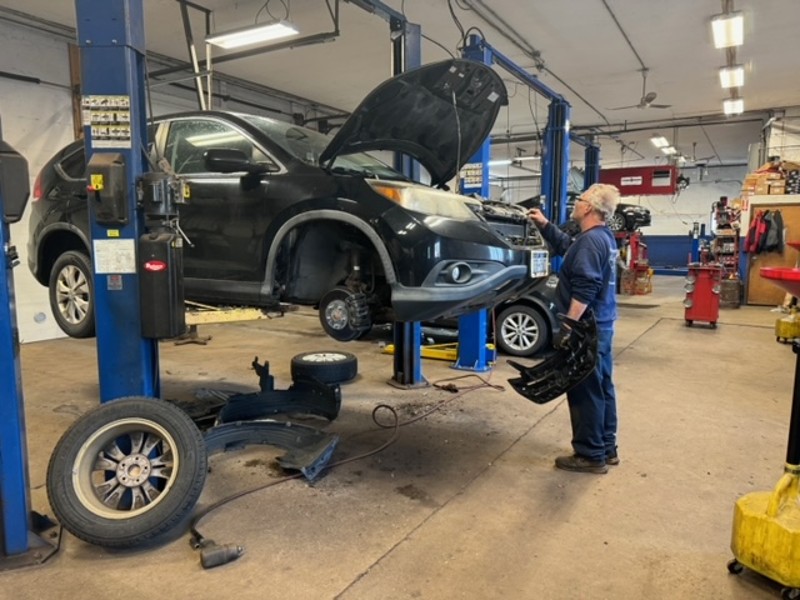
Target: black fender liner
x,y
563,370
326,215
309,450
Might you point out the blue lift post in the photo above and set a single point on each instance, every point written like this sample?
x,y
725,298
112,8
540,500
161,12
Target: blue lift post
x,y
20,545
112,50
406,42
473,355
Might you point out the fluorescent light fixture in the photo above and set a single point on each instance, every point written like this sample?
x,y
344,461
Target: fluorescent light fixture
x,y
254,34
526,158
659,141
728,30
503,162
731,76
669,150
733,106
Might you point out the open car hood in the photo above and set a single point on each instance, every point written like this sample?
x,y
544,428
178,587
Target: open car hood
x,y
414,113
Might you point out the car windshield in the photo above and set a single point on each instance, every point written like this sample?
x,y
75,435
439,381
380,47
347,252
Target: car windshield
x,y
307,145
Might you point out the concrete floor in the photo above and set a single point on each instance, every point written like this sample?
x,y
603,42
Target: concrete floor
x,y
466,503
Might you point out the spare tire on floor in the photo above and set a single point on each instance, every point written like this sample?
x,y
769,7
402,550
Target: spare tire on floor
x,y
329,366
127,472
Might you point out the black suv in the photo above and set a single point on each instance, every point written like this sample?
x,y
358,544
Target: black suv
x,y
277,212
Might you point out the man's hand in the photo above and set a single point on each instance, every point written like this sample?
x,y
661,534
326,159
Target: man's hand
x,y
537,217
563,336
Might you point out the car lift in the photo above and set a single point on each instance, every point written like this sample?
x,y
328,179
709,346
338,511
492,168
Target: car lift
x,y
472,347
20,544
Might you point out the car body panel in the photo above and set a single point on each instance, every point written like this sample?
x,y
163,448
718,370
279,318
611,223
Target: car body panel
x,y
438,114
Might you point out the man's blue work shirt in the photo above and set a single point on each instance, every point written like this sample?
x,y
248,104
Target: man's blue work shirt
x,y
588,271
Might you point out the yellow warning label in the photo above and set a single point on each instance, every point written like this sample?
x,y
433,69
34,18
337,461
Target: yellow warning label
x,y
187,193
113,233
97,182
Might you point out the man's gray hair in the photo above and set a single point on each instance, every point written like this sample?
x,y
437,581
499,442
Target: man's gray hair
x,y
603,198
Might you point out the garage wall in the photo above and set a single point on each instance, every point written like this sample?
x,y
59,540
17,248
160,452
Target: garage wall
x,y
784,136
674,215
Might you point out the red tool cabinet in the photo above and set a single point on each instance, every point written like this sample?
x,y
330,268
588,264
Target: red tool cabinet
x,y
702,293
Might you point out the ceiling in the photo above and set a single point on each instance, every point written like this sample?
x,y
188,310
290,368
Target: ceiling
x,y
581,45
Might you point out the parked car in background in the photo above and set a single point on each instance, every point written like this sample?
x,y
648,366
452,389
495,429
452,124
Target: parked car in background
x,y
627,217
279,213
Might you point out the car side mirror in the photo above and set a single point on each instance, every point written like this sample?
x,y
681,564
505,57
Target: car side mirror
x,y
224,160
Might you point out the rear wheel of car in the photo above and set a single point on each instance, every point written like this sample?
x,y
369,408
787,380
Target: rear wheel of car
x,y
616,222
344,315
328,367
72,294
521,331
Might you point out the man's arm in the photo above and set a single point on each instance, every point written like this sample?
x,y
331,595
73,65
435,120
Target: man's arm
x,y
557,239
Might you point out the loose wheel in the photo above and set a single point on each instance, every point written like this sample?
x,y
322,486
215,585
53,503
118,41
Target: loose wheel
x,y
735,567
126,472
329,367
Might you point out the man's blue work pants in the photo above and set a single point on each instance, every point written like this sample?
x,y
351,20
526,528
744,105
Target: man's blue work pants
x,y
593,405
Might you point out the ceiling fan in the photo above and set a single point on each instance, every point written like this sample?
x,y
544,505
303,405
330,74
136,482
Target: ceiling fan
x,y
646,101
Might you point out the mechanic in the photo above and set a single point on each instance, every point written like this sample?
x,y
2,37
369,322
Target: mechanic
x,y
586,289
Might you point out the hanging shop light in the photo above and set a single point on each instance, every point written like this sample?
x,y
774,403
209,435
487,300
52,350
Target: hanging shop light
x,y
254,34
659,141
732,76
733,106
728,30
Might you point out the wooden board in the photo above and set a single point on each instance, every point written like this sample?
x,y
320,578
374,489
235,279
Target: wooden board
x,y
759,290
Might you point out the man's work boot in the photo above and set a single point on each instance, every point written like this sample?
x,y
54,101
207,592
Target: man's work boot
x,y
581,464
612,458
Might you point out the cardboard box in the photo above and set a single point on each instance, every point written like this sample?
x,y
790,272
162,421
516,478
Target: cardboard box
x,y
762,189
777,190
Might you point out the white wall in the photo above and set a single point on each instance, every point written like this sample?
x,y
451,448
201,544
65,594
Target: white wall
x,y
784,136
674,215
36,121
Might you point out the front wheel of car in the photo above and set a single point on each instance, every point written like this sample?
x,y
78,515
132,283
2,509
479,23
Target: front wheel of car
x,y
72,294
521,331
344,315
616,222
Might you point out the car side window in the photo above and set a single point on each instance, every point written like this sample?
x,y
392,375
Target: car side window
x,y
188,140
74,164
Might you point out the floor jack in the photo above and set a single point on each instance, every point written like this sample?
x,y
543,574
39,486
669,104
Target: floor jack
x,y
766,525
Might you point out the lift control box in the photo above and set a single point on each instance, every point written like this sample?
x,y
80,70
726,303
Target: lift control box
x,y
161,289
107,187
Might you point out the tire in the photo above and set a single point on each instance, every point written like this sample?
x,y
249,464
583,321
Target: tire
x,y
72,294
521,331
336,318
158,487
616,223
329,366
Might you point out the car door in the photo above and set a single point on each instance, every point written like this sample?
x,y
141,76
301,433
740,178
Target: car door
x,y
225,215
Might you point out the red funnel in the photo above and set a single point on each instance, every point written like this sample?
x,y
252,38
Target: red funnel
x,y
787,278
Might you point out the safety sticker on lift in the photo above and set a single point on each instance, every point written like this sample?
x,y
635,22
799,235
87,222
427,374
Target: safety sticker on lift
x,y
108,119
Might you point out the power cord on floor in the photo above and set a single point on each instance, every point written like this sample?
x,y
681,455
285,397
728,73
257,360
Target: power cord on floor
x,y
214,555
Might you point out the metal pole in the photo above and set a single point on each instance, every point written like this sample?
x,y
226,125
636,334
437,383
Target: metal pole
x,y
111,39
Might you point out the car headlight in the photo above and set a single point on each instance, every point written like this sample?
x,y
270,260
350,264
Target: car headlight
x,y
425,200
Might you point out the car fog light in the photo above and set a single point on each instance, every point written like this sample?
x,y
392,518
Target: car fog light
x,y
688,303
689,287
459,273
690,279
